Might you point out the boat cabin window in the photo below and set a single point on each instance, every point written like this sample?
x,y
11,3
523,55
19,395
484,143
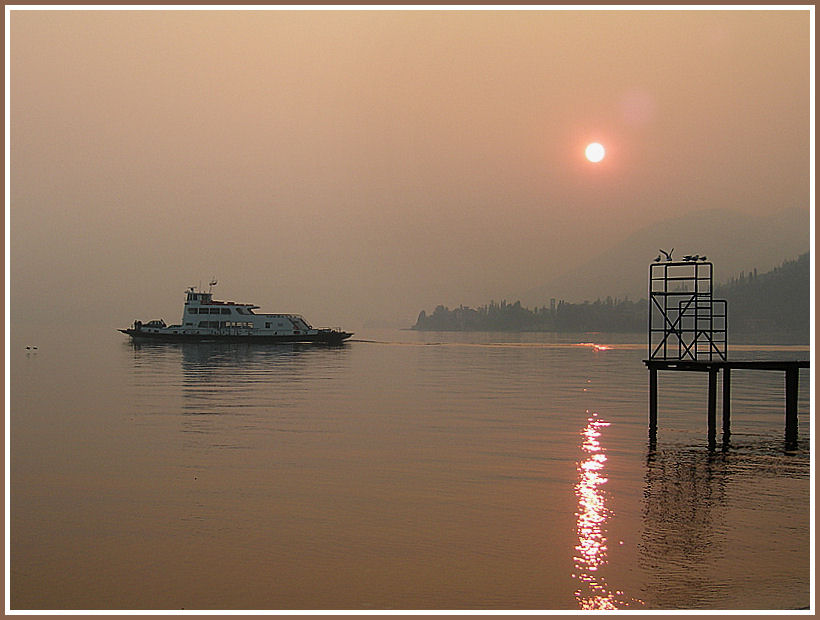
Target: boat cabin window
x,y
212,324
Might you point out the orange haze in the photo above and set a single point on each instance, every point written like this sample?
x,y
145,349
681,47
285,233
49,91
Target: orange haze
x,y
358,165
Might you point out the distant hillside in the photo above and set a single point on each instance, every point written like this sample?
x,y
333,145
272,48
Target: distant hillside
x,y
775,304
733,242
766,307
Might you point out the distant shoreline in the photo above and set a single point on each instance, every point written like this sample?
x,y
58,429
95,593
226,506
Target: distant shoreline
x,y
772,307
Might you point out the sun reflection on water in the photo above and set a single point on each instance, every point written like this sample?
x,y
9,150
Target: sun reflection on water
x,y
591,517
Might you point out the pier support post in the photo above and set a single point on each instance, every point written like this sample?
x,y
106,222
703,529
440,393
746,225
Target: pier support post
x,y
791,368
653,402
792,382
727,400
712,405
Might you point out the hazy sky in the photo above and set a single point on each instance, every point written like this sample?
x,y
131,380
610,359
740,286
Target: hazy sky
x,y
353,165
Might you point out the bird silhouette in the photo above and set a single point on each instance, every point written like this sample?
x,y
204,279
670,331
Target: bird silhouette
x,y
668,254
702,258
688,257
658,259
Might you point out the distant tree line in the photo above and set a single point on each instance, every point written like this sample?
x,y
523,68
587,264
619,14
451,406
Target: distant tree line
x,y
612,315
774,303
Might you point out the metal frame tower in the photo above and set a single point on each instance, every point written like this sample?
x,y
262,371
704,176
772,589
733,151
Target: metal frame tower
x,y
685,322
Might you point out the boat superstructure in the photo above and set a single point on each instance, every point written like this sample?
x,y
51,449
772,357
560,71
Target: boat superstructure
x,y
205,318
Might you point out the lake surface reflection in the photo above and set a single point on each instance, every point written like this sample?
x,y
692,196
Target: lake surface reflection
x,y
592,548
399,471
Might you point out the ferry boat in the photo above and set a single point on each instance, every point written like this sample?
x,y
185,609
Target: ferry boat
x,y
228,321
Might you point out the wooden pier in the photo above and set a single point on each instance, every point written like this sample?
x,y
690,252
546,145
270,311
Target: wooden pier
x,y
791,370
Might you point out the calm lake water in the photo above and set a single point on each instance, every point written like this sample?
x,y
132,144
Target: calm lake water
x,y
401,471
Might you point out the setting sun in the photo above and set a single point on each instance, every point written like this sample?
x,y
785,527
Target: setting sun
x,y
595,152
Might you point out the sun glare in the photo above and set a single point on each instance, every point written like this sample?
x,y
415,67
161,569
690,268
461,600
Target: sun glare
x,y
595,152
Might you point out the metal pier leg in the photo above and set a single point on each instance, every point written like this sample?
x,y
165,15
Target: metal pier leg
x,y
712,406
792,382
727,401
653,403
